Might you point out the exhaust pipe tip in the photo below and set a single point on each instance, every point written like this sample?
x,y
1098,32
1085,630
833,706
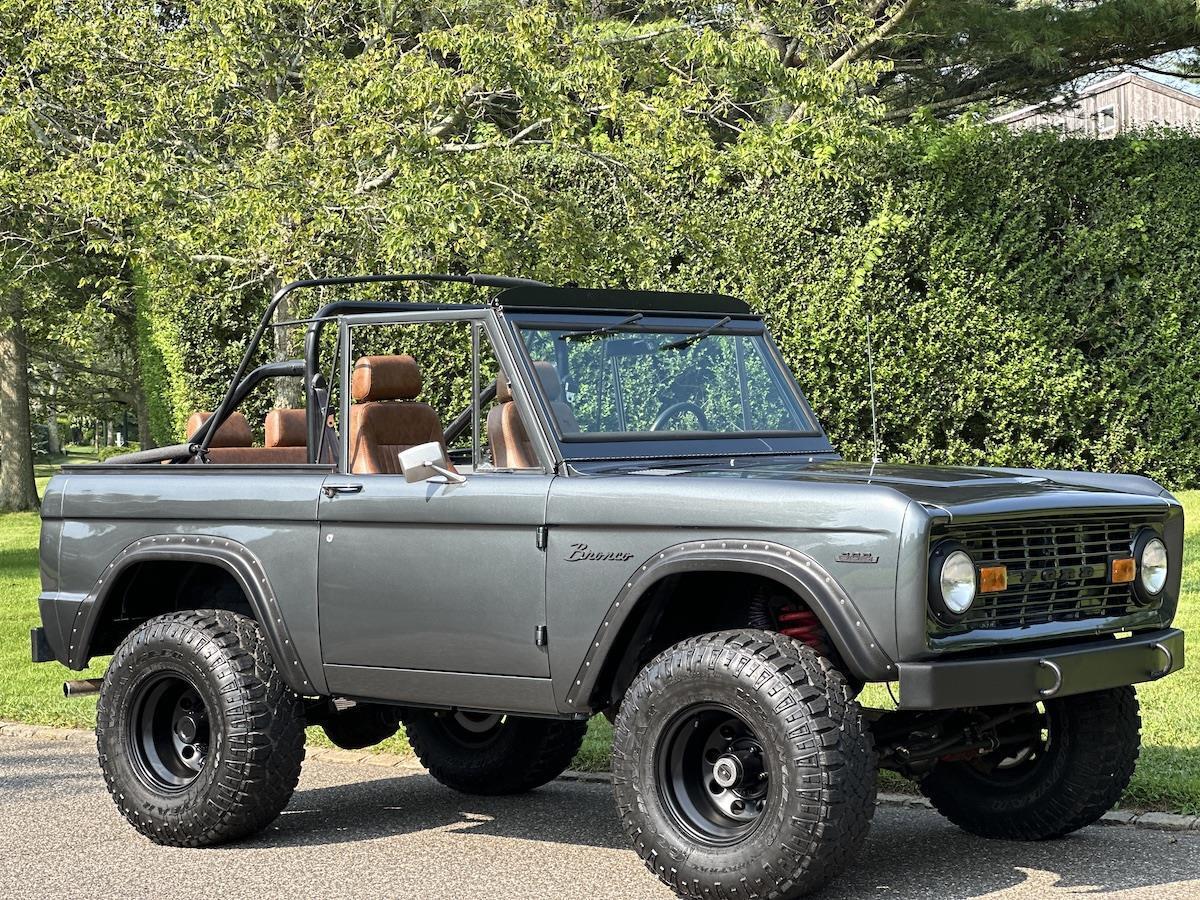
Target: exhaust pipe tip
x,y
81,687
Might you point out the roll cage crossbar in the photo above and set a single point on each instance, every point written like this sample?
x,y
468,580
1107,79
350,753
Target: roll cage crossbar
x,y
316,391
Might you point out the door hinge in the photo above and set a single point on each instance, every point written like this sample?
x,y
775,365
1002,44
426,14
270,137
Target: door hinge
x,y
543,536
539,636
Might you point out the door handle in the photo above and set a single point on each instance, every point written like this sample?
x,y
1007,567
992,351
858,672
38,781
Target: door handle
x,y
332,490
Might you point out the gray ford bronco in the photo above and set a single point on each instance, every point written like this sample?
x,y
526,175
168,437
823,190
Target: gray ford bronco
x,y
623,505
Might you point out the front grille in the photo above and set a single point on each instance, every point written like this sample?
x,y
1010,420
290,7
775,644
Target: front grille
x,y
1058,569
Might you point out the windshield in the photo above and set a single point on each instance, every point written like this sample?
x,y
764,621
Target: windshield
x,y
630,378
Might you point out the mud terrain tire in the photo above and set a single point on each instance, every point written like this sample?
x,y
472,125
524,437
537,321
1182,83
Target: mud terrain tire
x,y
200,740
742,763
1079,775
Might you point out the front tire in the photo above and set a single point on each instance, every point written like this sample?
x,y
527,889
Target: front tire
x,y
492,754
200,740
1074,769
740,759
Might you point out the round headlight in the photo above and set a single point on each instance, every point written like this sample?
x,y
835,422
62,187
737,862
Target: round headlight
x,y
953,581
958,582
1152,566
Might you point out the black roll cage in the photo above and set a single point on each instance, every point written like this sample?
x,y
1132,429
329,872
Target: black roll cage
x,y
316,391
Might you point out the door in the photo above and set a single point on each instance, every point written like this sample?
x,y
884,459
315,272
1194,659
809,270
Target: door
x,y
432,576
432,592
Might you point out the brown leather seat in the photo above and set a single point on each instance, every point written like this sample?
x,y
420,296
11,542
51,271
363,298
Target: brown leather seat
x,y
231,443
286,441
548,375
385,418
510,444
511,447
287,435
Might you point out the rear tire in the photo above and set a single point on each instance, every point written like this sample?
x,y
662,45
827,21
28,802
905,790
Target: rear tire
x,y
492,754
1066,780
741,763
200,740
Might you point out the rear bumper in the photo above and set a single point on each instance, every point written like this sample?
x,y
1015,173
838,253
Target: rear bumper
x,y
1042,675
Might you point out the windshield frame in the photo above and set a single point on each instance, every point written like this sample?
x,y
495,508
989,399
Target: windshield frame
x,y
599,446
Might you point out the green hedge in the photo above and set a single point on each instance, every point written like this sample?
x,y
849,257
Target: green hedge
x,y
1034,300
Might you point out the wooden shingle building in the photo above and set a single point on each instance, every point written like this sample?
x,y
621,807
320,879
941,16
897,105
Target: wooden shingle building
x,y
1126,102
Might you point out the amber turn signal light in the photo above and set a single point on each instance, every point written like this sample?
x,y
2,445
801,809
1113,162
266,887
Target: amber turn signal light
x,y
993,579
1123,571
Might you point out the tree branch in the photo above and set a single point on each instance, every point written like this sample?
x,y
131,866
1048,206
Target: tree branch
x,y
882,30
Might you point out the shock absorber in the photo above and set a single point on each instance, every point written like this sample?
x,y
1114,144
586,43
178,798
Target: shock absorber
x,y
801,624
790,619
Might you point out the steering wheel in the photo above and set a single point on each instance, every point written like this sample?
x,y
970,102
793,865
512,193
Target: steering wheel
x,y
675,409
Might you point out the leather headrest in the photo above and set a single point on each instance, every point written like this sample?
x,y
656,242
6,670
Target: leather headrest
x,y
503,389
385,378
548,376
234,431
287,428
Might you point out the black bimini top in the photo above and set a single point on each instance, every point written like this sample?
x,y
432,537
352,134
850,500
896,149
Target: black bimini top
x,y
591,300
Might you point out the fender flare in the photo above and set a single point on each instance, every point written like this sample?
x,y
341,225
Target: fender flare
x,y
791,568
232,556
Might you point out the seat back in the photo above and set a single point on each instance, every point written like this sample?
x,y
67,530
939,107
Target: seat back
x,y
511,448
548,376
231,443
286,435
386,417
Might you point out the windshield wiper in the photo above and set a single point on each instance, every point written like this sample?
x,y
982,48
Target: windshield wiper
x,y
699,335
596,332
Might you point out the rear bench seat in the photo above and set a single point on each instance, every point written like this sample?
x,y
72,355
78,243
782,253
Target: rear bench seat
x,y
286,440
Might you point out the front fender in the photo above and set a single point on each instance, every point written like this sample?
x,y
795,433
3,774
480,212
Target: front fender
x,y
236,559
791,568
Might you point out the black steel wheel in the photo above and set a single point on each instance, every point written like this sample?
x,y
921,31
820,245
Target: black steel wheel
x,y
200,740
712,776
169,732
1058,766
741,758
489,753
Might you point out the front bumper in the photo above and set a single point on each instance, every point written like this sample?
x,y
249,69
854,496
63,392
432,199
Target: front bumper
x,y
1040,675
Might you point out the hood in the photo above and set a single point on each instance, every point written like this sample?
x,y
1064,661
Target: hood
x,y
942,486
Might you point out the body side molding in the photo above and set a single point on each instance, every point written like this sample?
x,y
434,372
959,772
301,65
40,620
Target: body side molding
x,y
785,565
232,556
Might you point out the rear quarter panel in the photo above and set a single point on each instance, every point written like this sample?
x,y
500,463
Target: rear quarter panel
x,y
271,512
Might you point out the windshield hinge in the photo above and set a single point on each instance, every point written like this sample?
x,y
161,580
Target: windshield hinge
x,y
543,536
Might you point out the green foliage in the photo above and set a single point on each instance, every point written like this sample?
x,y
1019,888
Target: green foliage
x,y
1031,297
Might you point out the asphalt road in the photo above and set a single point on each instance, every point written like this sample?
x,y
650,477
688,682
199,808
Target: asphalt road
x,y
355,830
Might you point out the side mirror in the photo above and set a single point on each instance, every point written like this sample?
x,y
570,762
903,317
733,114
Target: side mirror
x,y
426,461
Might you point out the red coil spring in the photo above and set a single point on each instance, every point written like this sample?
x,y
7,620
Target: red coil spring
x,y
801,624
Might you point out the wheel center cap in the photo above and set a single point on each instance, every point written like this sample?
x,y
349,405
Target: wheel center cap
x,y
186,729
727,771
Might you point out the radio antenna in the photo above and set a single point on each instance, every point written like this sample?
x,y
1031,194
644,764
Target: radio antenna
x,y
875,457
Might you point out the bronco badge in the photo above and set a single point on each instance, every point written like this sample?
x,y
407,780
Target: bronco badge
x,y
581,553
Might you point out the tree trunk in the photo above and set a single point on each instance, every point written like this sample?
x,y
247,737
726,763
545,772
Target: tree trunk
x,y
53,443
18,490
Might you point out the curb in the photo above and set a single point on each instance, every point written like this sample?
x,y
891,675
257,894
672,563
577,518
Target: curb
x,y
1156,821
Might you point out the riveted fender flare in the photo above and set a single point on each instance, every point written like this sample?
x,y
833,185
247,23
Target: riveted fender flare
x,y
235,558
789,567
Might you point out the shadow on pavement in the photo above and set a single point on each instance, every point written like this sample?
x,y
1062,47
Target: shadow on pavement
x,y
911,853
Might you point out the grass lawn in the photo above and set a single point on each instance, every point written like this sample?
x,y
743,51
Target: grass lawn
x,y
1168,775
